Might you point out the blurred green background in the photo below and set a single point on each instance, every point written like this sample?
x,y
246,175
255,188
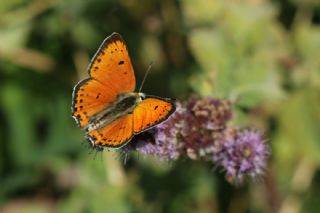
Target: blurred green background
x,y
262,54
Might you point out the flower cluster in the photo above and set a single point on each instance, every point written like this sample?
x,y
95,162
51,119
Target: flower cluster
x,y
204,122
199,130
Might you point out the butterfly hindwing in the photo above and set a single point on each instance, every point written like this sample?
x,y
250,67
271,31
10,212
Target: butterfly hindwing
x,y
114,135
150,112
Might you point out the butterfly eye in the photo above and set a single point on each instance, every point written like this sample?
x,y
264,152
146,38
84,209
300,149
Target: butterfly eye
x,y
142,95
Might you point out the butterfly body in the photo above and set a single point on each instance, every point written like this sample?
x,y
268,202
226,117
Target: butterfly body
x,y
105,104
123,105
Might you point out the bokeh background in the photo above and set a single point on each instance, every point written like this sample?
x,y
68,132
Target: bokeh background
x,y
262,54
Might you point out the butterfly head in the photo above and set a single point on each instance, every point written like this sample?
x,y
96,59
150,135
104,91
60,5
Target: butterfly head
x,y
134,96
141,95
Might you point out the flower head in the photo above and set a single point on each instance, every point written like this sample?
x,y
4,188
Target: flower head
x,y
205,122
242,154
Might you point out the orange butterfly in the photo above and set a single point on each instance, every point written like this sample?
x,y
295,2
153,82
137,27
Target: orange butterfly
x,y
105,104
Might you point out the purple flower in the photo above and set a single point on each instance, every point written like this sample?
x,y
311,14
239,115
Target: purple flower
x,y
212,114
199,130
204,123
242,154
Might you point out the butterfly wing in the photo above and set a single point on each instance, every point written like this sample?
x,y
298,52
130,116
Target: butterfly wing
x,y
112,65
150,112
114,135
89,97
111,73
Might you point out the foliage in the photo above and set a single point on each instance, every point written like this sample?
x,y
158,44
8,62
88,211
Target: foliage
x,y
262,54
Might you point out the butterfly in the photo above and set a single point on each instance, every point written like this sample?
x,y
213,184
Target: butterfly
x,y
105,104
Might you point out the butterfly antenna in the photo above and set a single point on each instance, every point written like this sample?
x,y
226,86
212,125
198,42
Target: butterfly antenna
x,y
145,76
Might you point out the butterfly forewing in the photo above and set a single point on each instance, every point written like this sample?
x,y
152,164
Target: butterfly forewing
x,y
89,97
111,74
112,65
